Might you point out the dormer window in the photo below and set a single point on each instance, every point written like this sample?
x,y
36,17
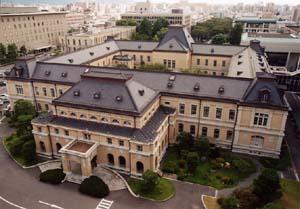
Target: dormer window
x,y
47,73
97,95
197,87
221,90
240,62
70,60
139,46
264,95
212,50
141,92
115,121
92,53
64,74
108,48
170,84
119,98
76,93
171,46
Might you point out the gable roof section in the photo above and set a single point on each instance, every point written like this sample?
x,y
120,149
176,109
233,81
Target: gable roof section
x,y
172,45
180,33
136,45
210,49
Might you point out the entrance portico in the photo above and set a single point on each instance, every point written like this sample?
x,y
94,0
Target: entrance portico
x,y
78,159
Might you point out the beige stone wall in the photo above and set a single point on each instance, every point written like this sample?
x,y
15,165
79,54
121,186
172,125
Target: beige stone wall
x,y
32,30
106,61
146,57
182,60
141,121
14,95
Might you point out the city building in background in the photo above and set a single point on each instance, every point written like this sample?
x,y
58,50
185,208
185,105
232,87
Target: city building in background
x,y
255,24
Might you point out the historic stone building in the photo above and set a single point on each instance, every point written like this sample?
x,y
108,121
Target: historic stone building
x,y
125,118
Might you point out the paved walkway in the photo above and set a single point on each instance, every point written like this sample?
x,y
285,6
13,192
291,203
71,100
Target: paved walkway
x,y
245,183
112,180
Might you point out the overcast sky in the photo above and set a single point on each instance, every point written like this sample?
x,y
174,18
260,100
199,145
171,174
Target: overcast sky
x,y
290,2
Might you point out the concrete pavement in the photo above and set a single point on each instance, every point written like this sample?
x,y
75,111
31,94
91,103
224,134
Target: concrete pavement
x,y
22,187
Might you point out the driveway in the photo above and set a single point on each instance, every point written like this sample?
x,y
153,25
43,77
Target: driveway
x,y
22,187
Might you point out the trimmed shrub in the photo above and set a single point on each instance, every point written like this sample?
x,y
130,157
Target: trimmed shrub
x,y
53,176
184,153
241,165
15,145
28,151
150,181
170,167
192,161
229,203
94,186
247,199
182,163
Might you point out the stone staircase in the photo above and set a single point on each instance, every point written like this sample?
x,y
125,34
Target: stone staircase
x,y
77,179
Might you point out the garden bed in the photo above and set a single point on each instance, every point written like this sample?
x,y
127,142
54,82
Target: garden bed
x,y
291,194
220,172
163,191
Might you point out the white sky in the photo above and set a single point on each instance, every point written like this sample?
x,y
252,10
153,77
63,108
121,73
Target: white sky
x,y
290,2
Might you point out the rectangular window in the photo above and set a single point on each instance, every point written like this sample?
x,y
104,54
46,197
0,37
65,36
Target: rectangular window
x,y
229,135
52,92
47,107
165,63
148,59
173,64
56,131
180,127
181,108
206,62
192,130
215,63
66,132
109,141
169,63
139,148
121,143
216,133
87,136
261,119
218,113
45,91
231,114
198,61
204,131
134,57
193,109
36,89
205,112
61,91
223,63
141,58
40,129
19,89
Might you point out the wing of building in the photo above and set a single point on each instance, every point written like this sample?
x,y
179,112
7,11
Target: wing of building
x,y
126,118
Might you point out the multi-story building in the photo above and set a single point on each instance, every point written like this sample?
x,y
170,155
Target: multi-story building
x,y
75,19
35,30
255,24
296,14
125,119
75,41
175,17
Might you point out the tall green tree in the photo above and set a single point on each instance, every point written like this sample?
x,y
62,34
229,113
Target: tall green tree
x,y
145,28
2,53
12,52
192,161
160,34
267,186
235,34
23,50
150,180
220,38
159,24
126,22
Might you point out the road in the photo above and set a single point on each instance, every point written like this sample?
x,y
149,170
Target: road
x,y
22,187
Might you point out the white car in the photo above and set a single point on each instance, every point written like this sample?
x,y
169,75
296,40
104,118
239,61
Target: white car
x,y
4,96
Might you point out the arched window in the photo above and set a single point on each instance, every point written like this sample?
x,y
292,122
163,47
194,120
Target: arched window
x,y
114,121
156,162
127,123
139,167
73,114
257,141
62,113
42,146
122,162
93,118
264,95
82,116
110,159
58,147
104,120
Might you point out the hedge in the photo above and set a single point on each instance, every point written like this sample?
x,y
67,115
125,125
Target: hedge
x,y
94,186
53,176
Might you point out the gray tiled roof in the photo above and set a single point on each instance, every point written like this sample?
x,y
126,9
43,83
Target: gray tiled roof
x,y
137,45
145,134
210,49
172,45
110,88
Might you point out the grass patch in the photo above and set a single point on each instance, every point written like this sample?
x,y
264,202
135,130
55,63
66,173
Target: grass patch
x,y
211,202
165,189
208,174
291,194
278,164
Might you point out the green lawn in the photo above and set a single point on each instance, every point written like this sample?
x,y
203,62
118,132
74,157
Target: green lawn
x,y
206,174
291,194
163,191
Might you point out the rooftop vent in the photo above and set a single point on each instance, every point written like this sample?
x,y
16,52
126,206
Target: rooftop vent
x,y
97,95
212,50
221,90
239,72
171,46
260,59
240,62
141,92
261,64
139,46
70,60
64,74
92,53
47,73
170,84
119,98
197,87
108,48
76,93
172,78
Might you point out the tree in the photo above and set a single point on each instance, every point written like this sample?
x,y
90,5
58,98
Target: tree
x,y
235,34
28,151
272,206
159,24
145,28
186,140
24,107
192,161
202,146
229,203
267,186
247,200
94,186
23,50
219,39
12,52
160,34
150,180
126,22
155,67
23,125
2,54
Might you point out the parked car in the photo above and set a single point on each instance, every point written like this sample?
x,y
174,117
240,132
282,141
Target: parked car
x,y
4,96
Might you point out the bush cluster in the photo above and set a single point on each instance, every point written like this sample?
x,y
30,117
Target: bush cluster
x,y
94,186
53,176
